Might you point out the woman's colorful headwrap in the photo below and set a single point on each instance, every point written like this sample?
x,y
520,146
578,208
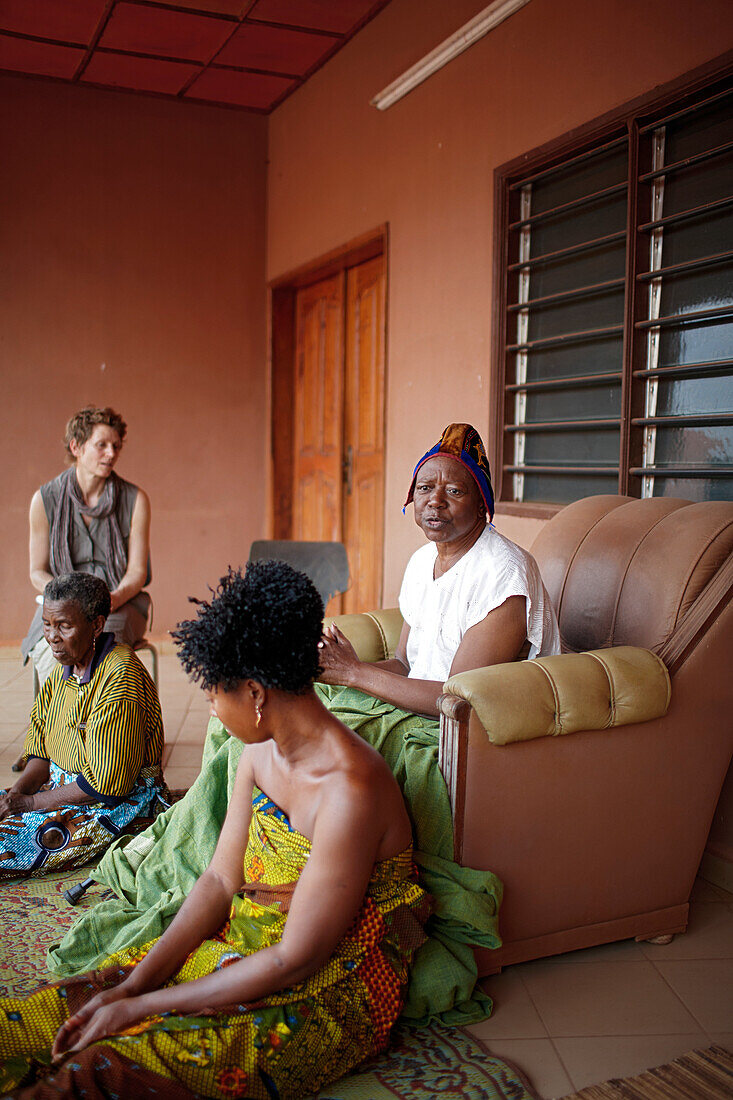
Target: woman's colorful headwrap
x,y
462,442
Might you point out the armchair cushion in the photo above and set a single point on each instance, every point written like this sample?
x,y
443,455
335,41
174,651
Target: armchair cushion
x,y
565,694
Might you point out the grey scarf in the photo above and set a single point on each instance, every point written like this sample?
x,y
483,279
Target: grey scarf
x,y
71,499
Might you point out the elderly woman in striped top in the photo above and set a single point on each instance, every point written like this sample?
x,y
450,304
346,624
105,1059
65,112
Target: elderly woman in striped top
x,y
94,742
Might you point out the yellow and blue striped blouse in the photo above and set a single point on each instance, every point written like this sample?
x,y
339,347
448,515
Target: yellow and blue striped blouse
x,y
106,730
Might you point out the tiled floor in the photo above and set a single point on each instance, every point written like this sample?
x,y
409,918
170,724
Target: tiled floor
x,y
613,1011
567,1022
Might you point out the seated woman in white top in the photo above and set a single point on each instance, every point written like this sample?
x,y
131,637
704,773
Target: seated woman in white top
x,y
469,598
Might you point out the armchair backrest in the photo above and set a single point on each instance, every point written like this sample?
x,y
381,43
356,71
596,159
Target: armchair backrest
x,y
622,571
373,634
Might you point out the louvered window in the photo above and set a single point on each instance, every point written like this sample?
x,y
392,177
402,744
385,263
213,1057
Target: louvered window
x,y
617,313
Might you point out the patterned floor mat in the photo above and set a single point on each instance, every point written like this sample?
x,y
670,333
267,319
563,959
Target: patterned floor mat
x,y
34,914
421,1063
433,1063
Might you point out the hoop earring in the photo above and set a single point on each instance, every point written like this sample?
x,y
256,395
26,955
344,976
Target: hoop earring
x,y
258,712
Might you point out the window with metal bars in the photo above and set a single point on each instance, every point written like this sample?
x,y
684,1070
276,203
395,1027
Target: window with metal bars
x,y
616,317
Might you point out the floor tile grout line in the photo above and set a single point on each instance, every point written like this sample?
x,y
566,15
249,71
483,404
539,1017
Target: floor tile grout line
x,y
691,959
185,715
561,1060
626,1035
631,1035
12,682
674,991
634,962
540,1017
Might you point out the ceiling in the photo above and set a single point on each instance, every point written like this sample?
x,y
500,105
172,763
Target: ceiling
x,y
248,54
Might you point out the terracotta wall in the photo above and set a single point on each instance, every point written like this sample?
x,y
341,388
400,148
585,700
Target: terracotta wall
x,y
133,275
338,168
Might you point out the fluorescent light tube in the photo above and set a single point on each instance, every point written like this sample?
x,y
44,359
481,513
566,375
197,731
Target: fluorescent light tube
x,y
469,33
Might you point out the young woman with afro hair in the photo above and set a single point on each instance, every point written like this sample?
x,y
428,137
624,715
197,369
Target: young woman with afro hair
x,y
287,963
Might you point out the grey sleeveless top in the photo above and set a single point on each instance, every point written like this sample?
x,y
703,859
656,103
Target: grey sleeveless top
x,y
89,547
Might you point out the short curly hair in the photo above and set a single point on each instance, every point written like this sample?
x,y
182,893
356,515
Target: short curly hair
x,y
263,624
89,592
83,423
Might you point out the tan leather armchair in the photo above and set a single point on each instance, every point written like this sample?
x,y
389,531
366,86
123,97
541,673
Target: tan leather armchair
x,y
588,781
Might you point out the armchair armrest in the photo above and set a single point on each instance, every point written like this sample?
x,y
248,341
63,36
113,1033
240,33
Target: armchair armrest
x,y
551,696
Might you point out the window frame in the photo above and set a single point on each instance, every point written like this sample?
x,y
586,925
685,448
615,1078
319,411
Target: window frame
x,y
625,121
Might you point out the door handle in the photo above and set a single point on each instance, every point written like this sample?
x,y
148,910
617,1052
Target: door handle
x,y
347,469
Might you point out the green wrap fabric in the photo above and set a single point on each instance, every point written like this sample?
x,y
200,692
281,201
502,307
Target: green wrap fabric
x,y
153,872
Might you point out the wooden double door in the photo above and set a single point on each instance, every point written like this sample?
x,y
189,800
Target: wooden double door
x,y
338,423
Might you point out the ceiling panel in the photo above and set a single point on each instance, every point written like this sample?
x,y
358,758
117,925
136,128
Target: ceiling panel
x,y
284,51
67,21
39,58
235,8
322,15
250,54
144,74
256,90
165,32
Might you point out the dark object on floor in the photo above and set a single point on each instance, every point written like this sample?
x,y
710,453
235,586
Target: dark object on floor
x,y
699,1075
75,893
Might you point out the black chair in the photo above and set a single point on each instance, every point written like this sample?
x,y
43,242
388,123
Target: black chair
x,y
324,562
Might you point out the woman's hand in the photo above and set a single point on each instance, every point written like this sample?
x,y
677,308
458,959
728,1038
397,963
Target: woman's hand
x,y
13,803
20,798
339,661
108,1013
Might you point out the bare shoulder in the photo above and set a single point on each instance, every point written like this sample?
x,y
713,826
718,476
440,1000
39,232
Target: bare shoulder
x,y
37,509
339,787
142,503
247,765
360,761
362,789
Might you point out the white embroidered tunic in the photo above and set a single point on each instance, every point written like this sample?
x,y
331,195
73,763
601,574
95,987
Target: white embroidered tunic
x,y
440,611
